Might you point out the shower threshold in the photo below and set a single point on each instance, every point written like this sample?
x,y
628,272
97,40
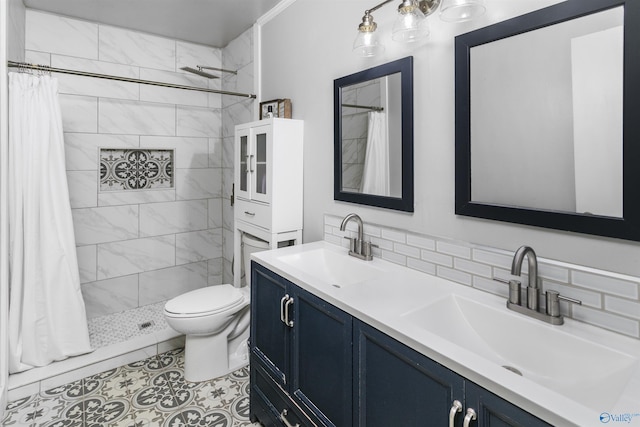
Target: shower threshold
x,y
116,340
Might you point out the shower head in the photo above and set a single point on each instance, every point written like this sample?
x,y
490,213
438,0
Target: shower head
x,y
199,72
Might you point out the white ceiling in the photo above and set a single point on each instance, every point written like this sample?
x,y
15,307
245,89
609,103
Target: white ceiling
x,y
210,22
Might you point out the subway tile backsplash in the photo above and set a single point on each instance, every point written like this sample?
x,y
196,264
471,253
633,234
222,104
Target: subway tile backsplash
x,y
610,300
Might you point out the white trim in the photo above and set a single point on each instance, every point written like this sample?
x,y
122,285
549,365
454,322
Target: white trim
x,y
275,11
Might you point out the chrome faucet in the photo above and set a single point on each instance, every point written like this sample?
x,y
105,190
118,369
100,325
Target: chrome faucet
x,y
533,291
552,313
357,246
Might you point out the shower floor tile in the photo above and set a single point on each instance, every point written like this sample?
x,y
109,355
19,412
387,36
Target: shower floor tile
x,y
118,327
147,393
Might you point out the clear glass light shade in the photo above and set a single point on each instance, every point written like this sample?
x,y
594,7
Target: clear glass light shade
x,y
367,44
410,26
461,10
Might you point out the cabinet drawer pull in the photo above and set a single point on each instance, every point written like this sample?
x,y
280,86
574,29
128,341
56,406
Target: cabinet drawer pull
x,y
251,163
287,305
282,314
455,408
249,213
471,416
283,417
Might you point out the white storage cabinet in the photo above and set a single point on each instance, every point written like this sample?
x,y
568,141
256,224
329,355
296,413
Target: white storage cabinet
x,y
268,178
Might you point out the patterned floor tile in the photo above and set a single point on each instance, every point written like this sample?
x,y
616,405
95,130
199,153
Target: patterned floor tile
x,y
194,416
148,393
22,412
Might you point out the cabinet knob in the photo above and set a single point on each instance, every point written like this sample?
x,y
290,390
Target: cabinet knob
x,y
456,407
283,417
471,416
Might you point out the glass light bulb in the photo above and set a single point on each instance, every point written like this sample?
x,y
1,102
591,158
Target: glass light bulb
x,y
461,10
410,26
367,44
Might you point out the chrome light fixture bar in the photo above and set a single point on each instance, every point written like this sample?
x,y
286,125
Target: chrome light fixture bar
x,y
411,25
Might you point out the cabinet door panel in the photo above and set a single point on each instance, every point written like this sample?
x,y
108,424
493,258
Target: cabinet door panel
x,y
493,411
261,157
269,335
397,386
322,359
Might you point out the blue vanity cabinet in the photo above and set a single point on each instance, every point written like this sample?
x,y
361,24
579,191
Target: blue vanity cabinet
x,y
313,364
493,411
304,344
397,386
322,359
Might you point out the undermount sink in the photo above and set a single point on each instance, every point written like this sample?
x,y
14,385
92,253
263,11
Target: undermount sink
x,y
333,268
585,370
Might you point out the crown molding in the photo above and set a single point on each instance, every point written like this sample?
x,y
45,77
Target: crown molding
x,y
275,11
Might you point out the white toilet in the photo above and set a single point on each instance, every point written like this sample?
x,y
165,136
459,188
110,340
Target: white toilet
x,y
215,321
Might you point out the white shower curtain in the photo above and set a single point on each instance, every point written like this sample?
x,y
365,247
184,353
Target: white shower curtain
x,y
47,319
375,177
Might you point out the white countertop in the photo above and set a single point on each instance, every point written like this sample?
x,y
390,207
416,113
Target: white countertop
x,y
383,302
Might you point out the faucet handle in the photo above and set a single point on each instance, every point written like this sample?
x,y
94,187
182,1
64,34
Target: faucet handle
x,y
553,302
352,243
514,289
367,250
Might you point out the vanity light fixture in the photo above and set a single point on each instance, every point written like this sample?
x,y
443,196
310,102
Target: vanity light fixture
x,y
411,25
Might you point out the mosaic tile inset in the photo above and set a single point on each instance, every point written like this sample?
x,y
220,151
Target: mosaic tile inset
x,y
135,169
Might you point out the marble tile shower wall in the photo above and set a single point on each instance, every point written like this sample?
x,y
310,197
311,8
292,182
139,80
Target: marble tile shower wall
x,y
15,31
237,55
137,247
610,300
355,130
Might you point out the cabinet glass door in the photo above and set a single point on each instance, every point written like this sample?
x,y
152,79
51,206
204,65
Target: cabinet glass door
x,y
261,185
242,164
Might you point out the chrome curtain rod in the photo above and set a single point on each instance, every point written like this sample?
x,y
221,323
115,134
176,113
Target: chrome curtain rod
x,y
28,66
363,106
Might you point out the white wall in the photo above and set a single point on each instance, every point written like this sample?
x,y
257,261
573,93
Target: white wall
x,y
300,61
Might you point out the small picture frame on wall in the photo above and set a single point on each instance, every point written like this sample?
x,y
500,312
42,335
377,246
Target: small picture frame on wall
x,y
278,107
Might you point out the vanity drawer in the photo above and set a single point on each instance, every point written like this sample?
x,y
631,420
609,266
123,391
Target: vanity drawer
x,y
254,213
278,402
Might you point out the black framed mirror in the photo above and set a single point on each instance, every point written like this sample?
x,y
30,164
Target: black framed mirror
x,y
547,119
373,136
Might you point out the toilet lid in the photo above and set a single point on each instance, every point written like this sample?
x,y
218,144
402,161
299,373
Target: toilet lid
x,y
205,300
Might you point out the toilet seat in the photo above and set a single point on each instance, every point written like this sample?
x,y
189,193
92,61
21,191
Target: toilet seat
x,y
205,301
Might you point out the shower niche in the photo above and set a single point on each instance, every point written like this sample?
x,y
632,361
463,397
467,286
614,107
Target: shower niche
x,y
136,169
